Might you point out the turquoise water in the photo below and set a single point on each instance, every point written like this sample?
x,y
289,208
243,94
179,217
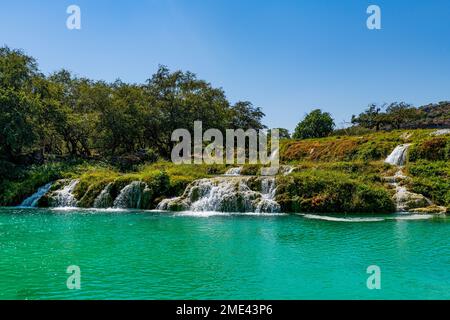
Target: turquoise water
x,y
151,255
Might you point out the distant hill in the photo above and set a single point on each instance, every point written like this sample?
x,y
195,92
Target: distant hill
x,y
432,116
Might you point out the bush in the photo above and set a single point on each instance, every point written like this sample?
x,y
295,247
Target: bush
x,y
431,149
251,170
432,179
317,124
13,192
331,192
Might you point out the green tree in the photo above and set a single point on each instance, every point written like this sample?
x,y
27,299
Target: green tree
x,y
18,105
316,124
246,116
16,69
398,114
371,118
283,133
122,120
176,100
78,102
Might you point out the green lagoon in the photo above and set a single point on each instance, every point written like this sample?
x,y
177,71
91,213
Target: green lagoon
x,y
126,254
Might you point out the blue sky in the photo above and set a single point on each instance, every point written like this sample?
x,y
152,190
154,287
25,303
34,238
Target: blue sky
x,y
287,57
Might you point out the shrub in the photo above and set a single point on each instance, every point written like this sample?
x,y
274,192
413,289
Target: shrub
x,y
431,149
432,179
331,192
316,124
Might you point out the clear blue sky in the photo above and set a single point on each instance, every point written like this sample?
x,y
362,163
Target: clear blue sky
x,y
287,57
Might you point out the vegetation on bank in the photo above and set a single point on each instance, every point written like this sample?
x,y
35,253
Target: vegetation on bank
x,y
60,126
164,178
332,174
330,191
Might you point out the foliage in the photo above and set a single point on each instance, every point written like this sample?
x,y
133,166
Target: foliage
x,y
432,179
328,191
371,118
69,116
316,124
401,115
436,148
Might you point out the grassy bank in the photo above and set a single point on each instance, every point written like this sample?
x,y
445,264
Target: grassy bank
x,y
333,174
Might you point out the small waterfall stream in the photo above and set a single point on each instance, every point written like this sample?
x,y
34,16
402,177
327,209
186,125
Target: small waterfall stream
x,y
226,194
33,200
268,192
403,198
286,170
233,172
104,199
398,156
136,195
64,197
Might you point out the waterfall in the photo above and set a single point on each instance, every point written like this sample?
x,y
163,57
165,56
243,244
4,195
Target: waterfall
x,y
64,197
232,172
104,199
33,200
404,199
225,194
398,156
268,191
136,195
286,170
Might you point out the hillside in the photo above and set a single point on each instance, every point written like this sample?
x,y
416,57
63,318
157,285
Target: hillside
x,y
330,175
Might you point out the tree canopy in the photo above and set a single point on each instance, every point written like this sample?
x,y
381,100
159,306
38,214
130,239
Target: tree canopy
x,y
316,124
68,116
397,114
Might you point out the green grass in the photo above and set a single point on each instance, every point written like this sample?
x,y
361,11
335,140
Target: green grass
x,y
330,191
367,147
432,179
333,174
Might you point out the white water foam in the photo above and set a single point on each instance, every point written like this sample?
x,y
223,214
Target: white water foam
x,y
398,155
64,198
414,217
206,214
225,194
233,172
402,216
338,219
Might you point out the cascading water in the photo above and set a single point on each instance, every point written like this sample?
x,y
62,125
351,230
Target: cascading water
x,y
104,199
225,194
233,172
268,191
33,200
64,197
403,198
286,170
136,195
398,156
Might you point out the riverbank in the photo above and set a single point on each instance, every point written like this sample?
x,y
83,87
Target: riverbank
x,y
338,174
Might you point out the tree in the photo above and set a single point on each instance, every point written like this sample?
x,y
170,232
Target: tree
x,y
17,123
283,133
18,105
69,116
16,69
399,113
371,118
316,124
246,116
176,100
122,120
